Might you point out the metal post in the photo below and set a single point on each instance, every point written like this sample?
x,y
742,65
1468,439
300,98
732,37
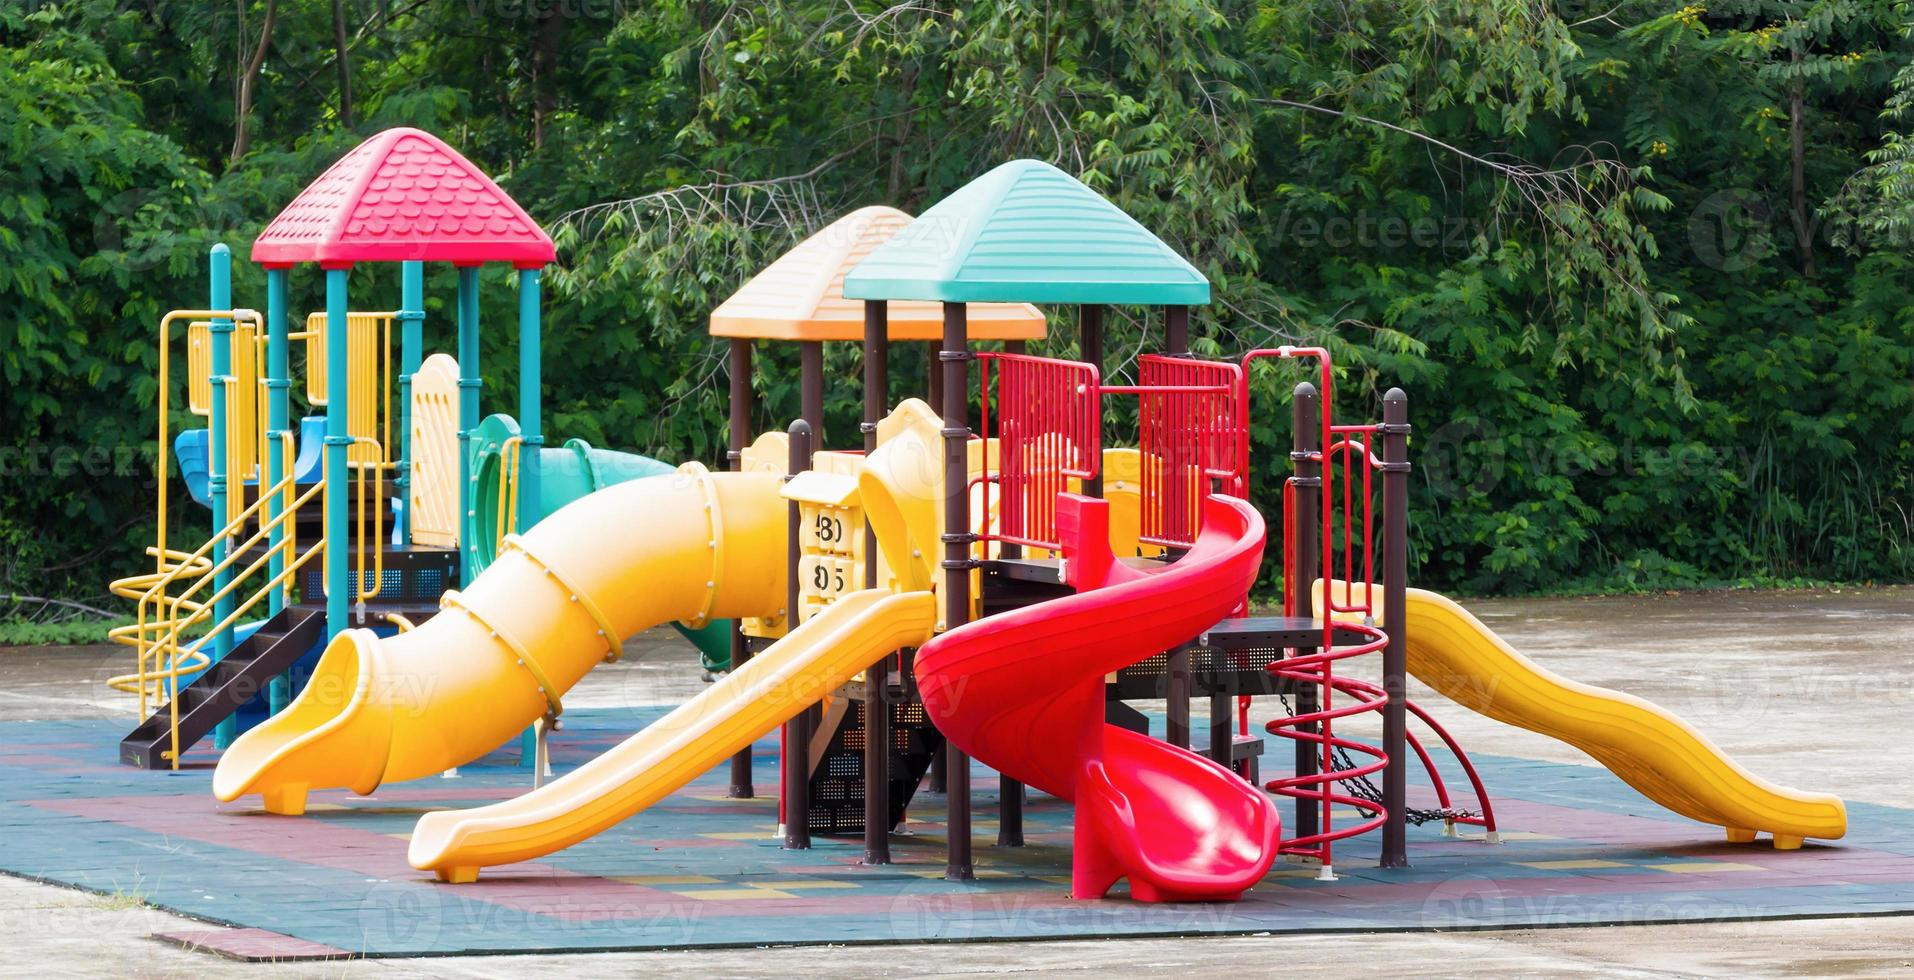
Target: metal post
x,y
877,686
278,410
1395,656
1176,697
811,403
954,362
811,390
411,351
469,385
1090,351
1305,439
217,477
530,379
1176,330
797,731
338,442
742,787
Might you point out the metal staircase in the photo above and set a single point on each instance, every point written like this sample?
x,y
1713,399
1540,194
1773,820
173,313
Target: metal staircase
x,y
224,687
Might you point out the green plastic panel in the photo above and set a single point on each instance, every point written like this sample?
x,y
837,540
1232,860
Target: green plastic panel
x,y
567,473
1027,232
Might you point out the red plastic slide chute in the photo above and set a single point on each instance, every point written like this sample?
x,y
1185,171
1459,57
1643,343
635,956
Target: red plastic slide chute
x,y
1023,692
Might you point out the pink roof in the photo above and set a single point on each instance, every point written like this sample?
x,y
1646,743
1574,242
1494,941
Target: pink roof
x,y
403,194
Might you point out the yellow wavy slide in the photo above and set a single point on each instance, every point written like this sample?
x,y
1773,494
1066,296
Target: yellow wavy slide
x,y
690,546
828,650
1661,756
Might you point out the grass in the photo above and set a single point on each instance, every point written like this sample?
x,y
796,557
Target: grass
x,y
26,633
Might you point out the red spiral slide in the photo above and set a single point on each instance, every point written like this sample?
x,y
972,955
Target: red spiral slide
x,y
1023,693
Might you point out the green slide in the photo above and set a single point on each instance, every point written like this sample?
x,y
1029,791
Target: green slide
x,y
566,473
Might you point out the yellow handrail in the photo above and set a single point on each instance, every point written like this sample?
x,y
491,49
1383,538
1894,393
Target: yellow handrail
x,y
164,448
183,592
378,520
174,614
508,487
169,563
369,385
151,589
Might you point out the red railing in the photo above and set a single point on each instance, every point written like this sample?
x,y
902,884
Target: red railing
x,y
1347,463
1194,441
1049,431
1191,432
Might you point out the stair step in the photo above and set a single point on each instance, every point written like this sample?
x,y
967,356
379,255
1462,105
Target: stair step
x,y
224,687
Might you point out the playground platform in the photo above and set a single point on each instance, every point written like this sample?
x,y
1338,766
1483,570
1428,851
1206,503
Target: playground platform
x,y
1578,848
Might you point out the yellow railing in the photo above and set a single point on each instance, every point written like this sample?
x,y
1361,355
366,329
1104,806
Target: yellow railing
x,y
374,472
178,599
508,487
176,604
369,379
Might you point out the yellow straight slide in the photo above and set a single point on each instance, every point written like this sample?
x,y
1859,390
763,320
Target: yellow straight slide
x,y
693,545
1661,756
771,688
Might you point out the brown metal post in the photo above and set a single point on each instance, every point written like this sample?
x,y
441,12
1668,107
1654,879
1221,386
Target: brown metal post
x,y
1395,656
1090,351
1176,697
797,731
1306,438
954,362
1176,330
877,705
740,435
811,390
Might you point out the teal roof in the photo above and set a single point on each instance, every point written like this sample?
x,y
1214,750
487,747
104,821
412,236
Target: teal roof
x,y
1027,232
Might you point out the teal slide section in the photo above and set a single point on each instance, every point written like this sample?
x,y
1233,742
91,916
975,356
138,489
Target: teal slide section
x,y
566,473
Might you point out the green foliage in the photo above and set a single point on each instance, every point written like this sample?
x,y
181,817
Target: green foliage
x,y
1570,236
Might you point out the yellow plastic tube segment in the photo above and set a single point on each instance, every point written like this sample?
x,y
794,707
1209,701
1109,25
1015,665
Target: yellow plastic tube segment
x,y
690,546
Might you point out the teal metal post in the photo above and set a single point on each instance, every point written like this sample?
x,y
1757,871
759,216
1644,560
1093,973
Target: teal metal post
x,y
221,338
338,441
278,380
531,430
531,439
469,384
411,349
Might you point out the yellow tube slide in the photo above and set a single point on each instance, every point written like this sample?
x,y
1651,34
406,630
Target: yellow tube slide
x,y
691,546
1661,756
826,651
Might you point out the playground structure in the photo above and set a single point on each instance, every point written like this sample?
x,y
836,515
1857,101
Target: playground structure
x,y
937,594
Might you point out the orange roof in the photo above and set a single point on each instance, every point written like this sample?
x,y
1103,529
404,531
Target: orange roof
x,y
801,295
